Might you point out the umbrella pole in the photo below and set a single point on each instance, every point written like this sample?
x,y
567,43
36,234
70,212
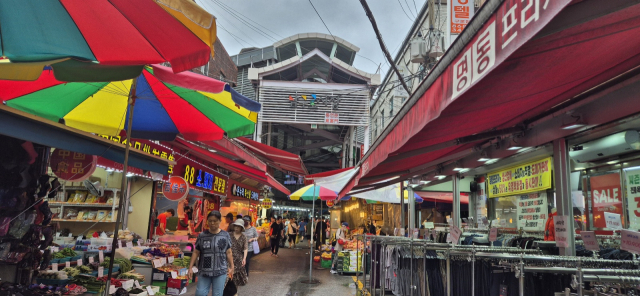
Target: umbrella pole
x,y
131,104
313,226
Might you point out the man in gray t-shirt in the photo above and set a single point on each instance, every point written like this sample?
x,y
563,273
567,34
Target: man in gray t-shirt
x,y
213,249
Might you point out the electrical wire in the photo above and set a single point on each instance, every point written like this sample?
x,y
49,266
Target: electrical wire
x,y
405,13
409,8
325,24
235,37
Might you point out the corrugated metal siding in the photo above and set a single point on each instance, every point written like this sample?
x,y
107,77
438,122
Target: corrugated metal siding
x,y
244,86
276,107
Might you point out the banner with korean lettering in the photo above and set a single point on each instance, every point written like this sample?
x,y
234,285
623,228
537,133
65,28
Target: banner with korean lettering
x,y
632,178
526,178
461,13
532,211
244,191
201,177
606,196
141,145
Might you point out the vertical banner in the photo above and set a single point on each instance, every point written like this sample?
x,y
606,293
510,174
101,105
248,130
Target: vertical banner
x,y
532,211
633,197
606,196
461,13
481,202
562,232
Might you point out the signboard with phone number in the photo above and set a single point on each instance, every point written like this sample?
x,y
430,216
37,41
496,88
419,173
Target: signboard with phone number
x,y
203,178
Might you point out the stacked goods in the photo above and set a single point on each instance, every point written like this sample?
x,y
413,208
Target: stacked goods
x,y
125,264
182,262
53,275
92,284
132,276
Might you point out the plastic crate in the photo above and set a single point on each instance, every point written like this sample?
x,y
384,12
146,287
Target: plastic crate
x,y
325,263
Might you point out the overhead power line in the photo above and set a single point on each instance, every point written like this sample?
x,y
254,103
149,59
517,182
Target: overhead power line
x,y
381,41
405,12
325,24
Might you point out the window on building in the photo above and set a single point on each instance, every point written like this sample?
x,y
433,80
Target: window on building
x,y
391,107
382,117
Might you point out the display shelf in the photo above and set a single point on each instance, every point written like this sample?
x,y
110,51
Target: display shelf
x,y
88,205
70,220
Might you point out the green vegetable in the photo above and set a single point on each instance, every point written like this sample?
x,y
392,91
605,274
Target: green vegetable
x,y
71,271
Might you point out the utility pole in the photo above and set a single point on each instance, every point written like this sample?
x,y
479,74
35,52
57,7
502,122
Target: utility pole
x,y
382,46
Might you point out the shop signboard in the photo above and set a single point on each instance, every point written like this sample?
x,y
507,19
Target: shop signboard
x,y
562,232
330,203
530,177
532,211
632,178
72,166
244,191
145,146
175,189
202,177
266,203
606,196
461,13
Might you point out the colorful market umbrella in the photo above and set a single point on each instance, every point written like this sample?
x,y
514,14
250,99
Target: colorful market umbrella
x,y
162,110
101,40
313,192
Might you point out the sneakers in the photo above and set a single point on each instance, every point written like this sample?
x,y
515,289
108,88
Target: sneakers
x,y
333,272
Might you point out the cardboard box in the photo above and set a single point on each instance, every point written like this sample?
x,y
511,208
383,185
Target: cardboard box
x,y
159,275
174,291
177,283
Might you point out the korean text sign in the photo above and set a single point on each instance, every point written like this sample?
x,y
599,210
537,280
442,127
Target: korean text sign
x,y
633,197
562,231
532,211
590,241
201,177
630,241
461,13
606,196
526,178
175,189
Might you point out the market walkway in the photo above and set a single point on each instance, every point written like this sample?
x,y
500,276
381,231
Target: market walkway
x,y
281,276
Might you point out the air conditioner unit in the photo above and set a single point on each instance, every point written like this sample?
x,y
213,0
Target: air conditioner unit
x,y
619,143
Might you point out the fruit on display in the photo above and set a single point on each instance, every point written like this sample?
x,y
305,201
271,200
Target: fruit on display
x,y
326,256
316,259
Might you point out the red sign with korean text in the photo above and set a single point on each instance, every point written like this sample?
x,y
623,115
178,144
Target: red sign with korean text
x,y
331,118
461,13
201,177
72,166
175,189
606,196
330,203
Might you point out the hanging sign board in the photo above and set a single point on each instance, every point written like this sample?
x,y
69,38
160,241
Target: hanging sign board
x,y
630,241
606,195
72,166
526,178
562,231
244,191
632,178
201,177
266,203
532,211
175,189
590,241
461,13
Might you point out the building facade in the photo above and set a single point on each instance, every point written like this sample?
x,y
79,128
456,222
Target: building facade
x,y
314,102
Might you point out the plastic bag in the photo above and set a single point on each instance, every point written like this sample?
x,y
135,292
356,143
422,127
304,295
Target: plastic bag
x,y
256,248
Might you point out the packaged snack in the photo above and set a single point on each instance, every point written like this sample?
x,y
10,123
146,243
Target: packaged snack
x,y
71,214
91,199
85,216
80,216
101,215
92,215
78,197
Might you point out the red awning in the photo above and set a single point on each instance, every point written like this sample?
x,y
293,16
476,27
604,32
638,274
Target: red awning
x,y
282,160
513,61
308,179
447,197
234,148
236,167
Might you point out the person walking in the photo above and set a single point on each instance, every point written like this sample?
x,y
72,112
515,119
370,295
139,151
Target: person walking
x,y
341,237
213,252
285,223
275,234
251,234
302,228
321,229
239,247
293,232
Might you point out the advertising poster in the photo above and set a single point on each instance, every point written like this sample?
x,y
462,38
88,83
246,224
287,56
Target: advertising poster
x,y
481,202
532,211
606,196
633,197
526,178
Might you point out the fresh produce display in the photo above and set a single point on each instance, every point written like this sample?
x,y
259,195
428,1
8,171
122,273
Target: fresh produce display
x,y
182,262
125,235
125,264
84,269
53,275
66,252
132,276
135,291
71,271
326,256
92,284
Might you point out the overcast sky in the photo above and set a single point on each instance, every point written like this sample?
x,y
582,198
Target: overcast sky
x,y
345,18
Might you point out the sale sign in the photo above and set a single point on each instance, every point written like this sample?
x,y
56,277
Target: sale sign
x,y
606,195
630,241
590,241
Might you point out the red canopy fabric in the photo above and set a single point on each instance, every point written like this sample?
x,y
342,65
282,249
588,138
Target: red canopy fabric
x,y
275,184
235,149
308,180
523,60
442,196
282,160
